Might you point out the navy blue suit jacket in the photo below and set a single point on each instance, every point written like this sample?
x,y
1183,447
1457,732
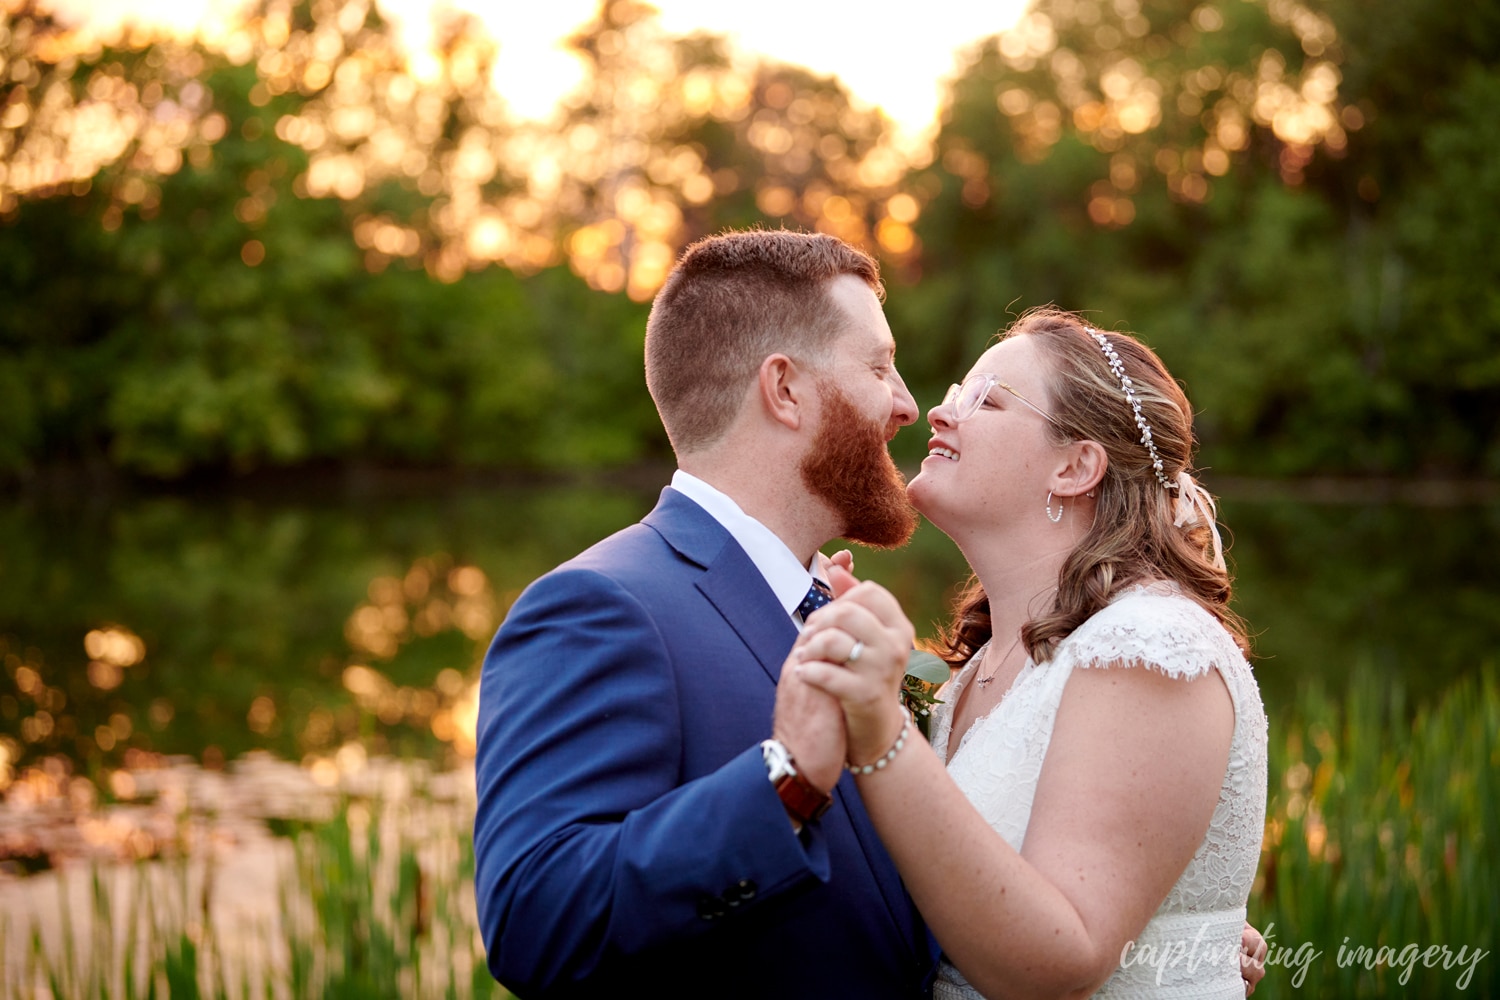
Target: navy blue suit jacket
x,y
626,831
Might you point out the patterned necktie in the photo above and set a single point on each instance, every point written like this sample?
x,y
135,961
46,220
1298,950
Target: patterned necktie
x,y
817,596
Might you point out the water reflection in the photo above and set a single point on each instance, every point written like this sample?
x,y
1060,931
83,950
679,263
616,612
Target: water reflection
x,y
1410,591
321,627
210,626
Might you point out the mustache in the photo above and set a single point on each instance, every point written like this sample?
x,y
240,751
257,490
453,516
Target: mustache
x,y
850,468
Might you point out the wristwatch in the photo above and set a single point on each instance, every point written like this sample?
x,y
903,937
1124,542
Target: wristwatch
x,y
804,801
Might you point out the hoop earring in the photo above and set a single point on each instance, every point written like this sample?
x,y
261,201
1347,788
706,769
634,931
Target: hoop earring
x,y
1054,520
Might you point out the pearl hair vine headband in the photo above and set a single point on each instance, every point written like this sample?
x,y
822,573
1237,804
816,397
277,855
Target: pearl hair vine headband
x,y
1194,505
1118,367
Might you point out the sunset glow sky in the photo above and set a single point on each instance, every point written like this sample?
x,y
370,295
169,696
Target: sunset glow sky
x,y
892,55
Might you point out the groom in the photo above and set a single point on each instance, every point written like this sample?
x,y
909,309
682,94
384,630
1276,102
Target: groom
x,y
653,813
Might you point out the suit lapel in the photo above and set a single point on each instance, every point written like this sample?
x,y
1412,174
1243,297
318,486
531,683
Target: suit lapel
x,y
750,608
735,587
730,581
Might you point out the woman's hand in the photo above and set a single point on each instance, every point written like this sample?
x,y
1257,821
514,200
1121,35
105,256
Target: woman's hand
x,y
856,649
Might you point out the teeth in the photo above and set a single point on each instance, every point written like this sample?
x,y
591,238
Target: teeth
x,y
944,453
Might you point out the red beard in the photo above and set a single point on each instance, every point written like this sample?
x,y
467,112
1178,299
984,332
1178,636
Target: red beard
x,y
850,469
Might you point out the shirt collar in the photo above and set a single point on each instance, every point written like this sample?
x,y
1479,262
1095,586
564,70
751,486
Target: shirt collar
x,y
788,579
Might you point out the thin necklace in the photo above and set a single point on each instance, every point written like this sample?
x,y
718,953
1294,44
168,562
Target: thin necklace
x,y
982,681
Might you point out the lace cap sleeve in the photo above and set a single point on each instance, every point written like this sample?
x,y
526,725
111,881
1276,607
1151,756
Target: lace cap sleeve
x,y
1160,630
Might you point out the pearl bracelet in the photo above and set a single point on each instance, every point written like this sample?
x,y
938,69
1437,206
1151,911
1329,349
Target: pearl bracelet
x,y
885,758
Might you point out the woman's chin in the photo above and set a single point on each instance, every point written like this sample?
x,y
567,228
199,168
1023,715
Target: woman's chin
x,y
920,492
926,496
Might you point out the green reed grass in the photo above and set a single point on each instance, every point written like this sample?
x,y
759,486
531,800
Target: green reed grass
x,y
368,907
1382,833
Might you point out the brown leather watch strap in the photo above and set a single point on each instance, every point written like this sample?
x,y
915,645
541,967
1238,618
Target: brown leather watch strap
x,y
803,800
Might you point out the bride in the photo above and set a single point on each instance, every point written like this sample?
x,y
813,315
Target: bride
x,y
1088,817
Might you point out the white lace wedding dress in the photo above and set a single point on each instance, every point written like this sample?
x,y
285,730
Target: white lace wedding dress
x,y
1190,948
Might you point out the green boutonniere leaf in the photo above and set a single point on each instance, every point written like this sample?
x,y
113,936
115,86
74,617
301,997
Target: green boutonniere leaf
x,y
925,673
924,666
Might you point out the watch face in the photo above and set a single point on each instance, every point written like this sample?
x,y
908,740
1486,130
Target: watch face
x,y
778,759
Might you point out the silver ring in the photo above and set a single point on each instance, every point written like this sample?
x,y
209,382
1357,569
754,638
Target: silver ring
x,y
855,653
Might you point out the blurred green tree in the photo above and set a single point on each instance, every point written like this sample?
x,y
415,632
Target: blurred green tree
x,y
279,251
1215,177
239,310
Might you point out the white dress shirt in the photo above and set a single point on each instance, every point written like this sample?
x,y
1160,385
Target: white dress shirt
x,y
788,579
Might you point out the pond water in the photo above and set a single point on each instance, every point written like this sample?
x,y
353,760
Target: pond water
x,y
312,615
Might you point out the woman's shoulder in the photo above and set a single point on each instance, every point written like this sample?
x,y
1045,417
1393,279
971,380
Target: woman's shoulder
x,y
1155,625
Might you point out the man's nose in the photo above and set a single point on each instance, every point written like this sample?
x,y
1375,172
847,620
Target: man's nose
x,y
903,407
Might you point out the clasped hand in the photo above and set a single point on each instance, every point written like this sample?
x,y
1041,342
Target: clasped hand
x,y
856,650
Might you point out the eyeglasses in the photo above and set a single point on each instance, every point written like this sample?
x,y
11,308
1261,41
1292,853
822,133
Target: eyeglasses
x,y
966,399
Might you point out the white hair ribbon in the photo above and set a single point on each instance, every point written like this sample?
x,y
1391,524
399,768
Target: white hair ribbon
x,y
1195,504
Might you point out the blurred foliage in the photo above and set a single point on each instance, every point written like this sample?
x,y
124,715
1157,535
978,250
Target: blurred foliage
x,y
369,897
216,316
1380,821
1377,874
284,245
1282,199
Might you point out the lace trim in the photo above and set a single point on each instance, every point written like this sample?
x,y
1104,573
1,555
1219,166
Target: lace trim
x,y
952,693
999,762
1154,627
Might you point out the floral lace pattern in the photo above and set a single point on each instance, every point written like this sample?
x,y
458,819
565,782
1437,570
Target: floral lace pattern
x,y
999,760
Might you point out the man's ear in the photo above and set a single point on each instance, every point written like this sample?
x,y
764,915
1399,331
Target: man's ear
x,y
784,390
1084,468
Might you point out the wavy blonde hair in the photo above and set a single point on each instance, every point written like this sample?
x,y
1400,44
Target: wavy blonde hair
x,y
1133,538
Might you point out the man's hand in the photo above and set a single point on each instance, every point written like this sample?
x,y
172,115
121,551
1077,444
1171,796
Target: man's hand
x,y
810,724
1253,950
856,649
843,558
